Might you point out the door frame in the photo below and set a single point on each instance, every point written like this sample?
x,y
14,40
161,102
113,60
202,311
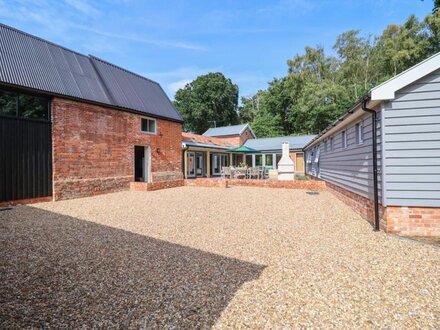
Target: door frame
x,y
147,163
189,154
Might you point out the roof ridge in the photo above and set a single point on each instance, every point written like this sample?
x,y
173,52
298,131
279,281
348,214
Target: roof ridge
x,y
40,39
121,68
285,136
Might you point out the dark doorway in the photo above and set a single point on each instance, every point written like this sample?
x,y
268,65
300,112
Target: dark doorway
x,y
141,163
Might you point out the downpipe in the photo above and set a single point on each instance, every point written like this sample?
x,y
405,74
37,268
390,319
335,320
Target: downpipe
x,y
375,170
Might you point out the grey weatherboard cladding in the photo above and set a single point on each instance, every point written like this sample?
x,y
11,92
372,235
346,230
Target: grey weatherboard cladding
x,y
31,62
412,144
350,168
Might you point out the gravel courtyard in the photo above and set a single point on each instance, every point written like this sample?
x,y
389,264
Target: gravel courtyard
x,y
210,257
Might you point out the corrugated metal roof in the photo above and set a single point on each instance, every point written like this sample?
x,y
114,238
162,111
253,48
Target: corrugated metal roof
x,y
31,62
226,130
130,90
267,144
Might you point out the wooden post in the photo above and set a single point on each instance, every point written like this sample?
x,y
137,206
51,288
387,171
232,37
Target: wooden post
x,y
185,164
208,165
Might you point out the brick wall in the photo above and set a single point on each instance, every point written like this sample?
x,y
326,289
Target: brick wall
x,y
413,221
361,204
93,149
144,186
237,140
401,220
297,184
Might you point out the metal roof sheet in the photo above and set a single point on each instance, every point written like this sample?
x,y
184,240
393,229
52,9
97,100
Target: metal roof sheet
x,y
31,62
129,90
226,130
275,143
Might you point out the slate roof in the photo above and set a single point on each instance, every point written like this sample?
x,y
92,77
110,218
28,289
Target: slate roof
x,y
31,62
227,130
271,144
197,140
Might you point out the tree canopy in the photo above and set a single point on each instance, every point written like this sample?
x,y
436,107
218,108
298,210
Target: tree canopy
x,y
209,98
318,87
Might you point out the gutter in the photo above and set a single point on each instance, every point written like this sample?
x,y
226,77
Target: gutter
x,y
375,170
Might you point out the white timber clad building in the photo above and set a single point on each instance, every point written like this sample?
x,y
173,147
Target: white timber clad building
x,y
407,108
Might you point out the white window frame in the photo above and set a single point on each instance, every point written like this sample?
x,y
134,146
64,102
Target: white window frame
x,y
360,132
317,154
344,139
155,125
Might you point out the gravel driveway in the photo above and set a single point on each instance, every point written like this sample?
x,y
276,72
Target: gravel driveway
x,y
210,257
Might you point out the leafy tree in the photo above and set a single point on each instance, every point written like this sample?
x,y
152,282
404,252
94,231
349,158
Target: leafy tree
x,y
433,25
210,97
276,101
266,124
249,108
403,46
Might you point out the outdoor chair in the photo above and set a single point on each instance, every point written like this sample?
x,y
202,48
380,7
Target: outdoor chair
x,y
226,172
253,173
240,173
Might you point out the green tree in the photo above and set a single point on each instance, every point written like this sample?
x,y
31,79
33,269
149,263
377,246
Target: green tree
x,y
249,108
433,26
211,97
403,46
266,124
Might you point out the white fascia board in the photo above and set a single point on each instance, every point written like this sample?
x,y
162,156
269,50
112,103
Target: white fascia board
x,y
387,90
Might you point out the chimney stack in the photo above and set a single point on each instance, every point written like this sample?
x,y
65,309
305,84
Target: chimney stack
x,y
286,167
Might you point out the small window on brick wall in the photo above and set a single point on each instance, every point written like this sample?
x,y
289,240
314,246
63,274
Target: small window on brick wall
x,y
148,125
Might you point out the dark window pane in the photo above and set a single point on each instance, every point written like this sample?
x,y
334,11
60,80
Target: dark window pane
x,y
258,160
269,160
148,125
152,126
34,107
144,125
249,160
8,103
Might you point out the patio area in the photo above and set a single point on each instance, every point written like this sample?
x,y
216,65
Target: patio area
x,y
195,257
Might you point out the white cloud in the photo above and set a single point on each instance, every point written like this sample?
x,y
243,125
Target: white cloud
x,y
83,7
136,38
173,87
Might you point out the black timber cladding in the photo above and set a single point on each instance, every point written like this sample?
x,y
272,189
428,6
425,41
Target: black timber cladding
x,y
31,62
25,159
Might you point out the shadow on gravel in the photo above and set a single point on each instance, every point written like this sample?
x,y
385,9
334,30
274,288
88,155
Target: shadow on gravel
x,y
61,272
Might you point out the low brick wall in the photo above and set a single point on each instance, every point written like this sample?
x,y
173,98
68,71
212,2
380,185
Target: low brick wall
x,y
361,204
76,188
297,184
206,182
400,220
413,221
151,186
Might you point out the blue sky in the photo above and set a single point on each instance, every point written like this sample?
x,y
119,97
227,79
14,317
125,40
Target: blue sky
x,y
174,41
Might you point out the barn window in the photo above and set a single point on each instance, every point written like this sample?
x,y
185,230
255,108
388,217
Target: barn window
x,y
33,107
24,105
148,125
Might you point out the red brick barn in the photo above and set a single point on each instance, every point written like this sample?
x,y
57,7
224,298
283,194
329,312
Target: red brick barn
x,y
73,125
